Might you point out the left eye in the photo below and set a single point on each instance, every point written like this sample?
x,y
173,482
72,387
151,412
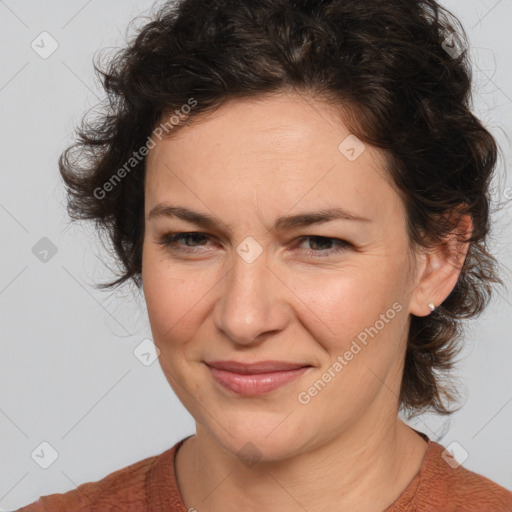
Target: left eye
x,y
322,241
172,242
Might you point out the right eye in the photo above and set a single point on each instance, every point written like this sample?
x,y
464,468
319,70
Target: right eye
x,y
171,241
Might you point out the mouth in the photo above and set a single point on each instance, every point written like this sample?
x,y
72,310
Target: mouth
x,y
255,378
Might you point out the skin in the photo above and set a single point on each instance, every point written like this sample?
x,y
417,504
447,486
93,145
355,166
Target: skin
x,y
249,163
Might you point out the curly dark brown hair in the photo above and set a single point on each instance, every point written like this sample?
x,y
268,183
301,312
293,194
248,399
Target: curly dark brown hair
x,y
397,67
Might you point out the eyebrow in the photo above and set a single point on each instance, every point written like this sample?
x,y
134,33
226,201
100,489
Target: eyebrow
x,y
281,224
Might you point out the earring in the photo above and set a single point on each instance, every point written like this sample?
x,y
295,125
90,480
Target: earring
x,y
431,306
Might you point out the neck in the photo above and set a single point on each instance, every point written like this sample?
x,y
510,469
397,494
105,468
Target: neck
x,y
363,469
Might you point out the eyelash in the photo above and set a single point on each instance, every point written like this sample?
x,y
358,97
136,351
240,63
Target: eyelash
x,y
169,241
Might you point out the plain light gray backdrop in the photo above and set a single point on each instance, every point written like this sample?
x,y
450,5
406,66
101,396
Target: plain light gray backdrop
x,y
68,373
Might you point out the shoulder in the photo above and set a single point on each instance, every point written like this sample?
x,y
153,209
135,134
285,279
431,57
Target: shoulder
x,y
448,486
123,490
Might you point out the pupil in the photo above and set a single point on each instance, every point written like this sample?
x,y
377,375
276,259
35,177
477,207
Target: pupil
x,y
325,242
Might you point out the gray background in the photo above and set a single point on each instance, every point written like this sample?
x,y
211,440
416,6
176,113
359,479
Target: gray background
x,y
68,374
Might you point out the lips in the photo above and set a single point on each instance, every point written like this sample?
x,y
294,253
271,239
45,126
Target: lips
x,y
255,378
258,367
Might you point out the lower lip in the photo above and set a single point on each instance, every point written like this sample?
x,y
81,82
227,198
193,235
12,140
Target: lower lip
x,y
256,383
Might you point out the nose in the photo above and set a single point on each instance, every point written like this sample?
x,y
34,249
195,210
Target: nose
x,y
252,301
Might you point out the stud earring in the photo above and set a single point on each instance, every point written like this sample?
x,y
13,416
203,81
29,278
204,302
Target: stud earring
x,y
431,306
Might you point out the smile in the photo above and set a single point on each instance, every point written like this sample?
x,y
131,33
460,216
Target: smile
x,y
255,379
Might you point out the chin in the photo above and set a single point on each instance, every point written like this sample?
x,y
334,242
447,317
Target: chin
x,y
265,438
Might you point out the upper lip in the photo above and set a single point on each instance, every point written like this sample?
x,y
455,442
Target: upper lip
x,y
257,367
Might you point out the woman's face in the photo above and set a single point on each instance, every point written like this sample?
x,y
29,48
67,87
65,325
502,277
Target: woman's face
x,y
248,290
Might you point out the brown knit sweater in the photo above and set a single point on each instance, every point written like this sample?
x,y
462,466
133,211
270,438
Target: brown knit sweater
x,y
150,485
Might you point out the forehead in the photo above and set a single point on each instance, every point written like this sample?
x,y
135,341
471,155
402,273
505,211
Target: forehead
x,y
277,150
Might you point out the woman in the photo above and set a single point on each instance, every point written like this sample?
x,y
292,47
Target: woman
x,y
301,192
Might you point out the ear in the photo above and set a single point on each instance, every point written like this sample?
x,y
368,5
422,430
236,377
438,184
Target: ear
x,y
438,269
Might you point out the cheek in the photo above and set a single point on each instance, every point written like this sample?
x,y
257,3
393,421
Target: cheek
x,y
346,299
363,333
169,297
361,305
